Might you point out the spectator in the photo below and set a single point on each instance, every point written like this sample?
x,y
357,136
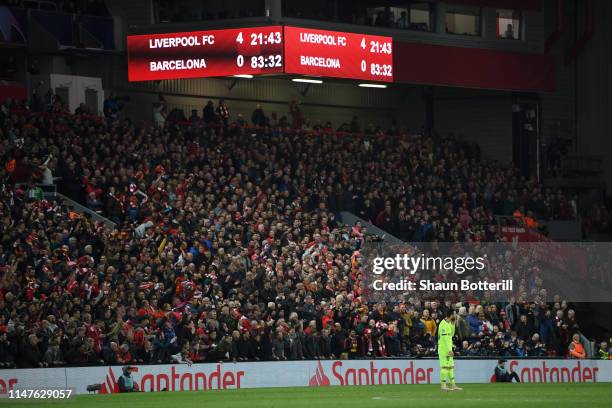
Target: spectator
x,y
325,346
82,109
536,348
208,114
463,326
278,346
297,118
523,328
474,321
194,118
338,341
512,312
393,341
7,352
430,325
223,113
576,349
379,21
159,113
604,352
520,349
111,107
29,354
258,117
353,347
402,22
110,354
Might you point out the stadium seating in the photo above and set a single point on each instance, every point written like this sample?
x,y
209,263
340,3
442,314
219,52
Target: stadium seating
x,y
228,247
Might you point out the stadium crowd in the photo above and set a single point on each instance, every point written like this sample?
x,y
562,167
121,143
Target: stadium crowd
x,y
227,245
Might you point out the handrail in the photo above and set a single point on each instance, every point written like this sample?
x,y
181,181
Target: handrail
x,y
349,218
81,208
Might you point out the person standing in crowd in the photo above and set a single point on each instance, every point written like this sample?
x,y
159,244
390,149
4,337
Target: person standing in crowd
x,y
402,22
194,118
223,112
258,117
429,323
208,113
463,327
297,118
111,107
604,352
160,112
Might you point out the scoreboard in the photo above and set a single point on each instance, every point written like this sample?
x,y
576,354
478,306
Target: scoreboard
x,y
260,50
197,54
338,54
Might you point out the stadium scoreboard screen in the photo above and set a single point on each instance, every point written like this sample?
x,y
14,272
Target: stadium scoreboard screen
x,y
338,54
197,54
260,50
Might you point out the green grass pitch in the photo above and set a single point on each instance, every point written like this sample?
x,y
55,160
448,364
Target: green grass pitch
x,y
387,396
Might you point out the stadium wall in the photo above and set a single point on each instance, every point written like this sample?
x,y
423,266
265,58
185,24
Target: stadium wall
x,y
299,373
335,102
594,87
482,117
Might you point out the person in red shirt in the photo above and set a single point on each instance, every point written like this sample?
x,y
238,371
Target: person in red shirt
x,y
94,332
123,354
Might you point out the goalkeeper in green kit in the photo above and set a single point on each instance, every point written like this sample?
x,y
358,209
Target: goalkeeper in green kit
x,y
446,331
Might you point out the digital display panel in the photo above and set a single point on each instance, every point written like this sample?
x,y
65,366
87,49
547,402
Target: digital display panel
x,y
198,54
260,50
338,54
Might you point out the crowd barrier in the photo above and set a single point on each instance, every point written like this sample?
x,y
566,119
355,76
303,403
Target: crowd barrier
x,y
181,377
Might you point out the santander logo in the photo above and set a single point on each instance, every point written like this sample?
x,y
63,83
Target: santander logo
x,y
572,371
319,379
541,372
371,373
160,378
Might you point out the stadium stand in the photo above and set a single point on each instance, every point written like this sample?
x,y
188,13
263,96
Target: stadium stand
x,y
228,246
90,7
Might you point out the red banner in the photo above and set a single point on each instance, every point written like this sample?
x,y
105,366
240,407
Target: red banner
x,y
17,92
473,68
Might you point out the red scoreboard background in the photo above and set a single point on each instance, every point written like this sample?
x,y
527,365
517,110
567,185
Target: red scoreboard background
x,y
260,50
197,54
338,54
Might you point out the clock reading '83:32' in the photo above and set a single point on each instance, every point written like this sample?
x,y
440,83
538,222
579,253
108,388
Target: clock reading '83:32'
x,y
338,54
260,50
197,54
